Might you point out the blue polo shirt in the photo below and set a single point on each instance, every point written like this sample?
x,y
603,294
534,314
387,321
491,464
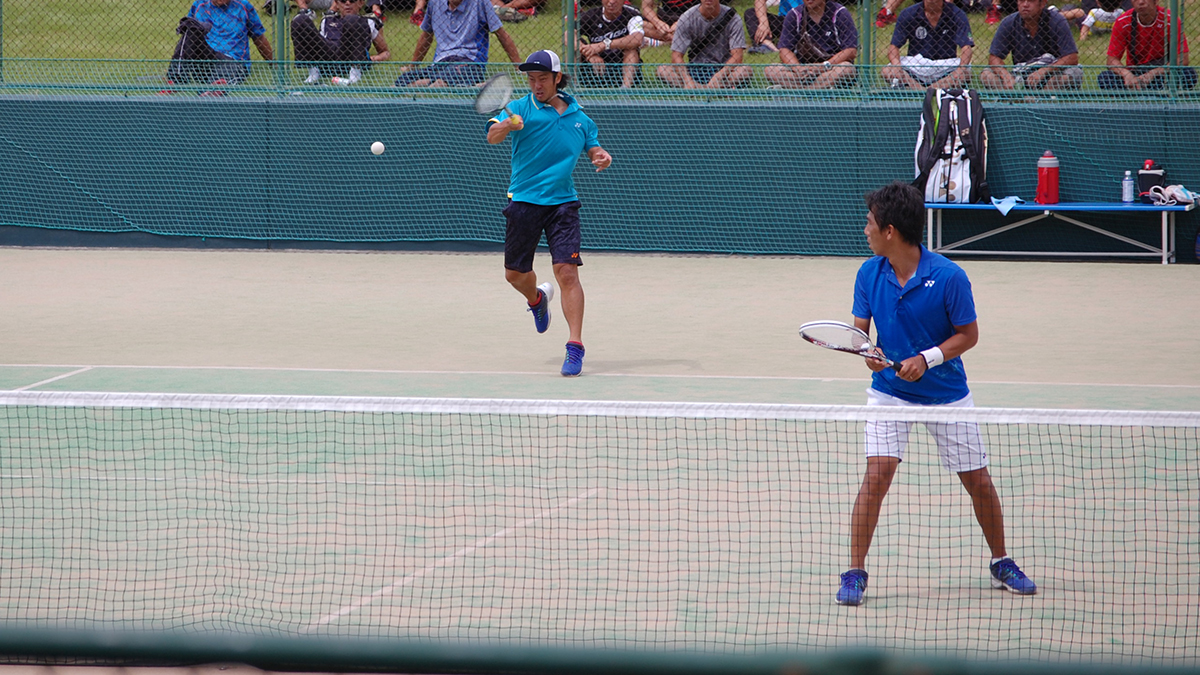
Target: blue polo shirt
x,y
936,43
232,25
463,33
914,318
545,151
1053,38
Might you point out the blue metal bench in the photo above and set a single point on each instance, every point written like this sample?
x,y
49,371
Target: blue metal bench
x,y
1166,251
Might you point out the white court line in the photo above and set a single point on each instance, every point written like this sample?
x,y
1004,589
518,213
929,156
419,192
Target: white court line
x,y
462,552
549,375
64,376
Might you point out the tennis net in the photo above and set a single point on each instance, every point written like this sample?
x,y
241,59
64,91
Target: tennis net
x,y
717,528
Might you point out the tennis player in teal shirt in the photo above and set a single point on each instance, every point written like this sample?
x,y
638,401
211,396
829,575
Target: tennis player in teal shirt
x,y
549,131
924,315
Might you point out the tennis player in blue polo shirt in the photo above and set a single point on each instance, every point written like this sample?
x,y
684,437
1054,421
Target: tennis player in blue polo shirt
x,y
924,314
549,131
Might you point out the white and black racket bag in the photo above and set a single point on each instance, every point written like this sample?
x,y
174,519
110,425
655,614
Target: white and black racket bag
x,y
951,152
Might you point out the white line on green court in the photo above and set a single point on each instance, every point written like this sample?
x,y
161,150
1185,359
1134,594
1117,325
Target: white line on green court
x,y
462,552
544,374
64,376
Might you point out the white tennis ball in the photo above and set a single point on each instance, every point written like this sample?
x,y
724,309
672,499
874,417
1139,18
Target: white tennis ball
x,y
377,148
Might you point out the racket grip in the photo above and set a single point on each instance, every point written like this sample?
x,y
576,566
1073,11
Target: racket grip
x,y
896,366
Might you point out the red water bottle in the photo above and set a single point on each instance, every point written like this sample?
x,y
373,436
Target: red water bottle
x,y
1047,187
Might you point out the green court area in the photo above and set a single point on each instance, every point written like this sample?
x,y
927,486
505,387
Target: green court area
x,y
661,328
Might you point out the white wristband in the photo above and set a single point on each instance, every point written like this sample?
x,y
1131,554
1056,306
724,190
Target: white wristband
x,y
933,357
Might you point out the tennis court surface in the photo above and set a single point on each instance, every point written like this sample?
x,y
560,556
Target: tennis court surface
x,y
239,462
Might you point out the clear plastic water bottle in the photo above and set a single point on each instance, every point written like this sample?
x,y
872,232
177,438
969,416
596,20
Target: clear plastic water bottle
x,y
1127,191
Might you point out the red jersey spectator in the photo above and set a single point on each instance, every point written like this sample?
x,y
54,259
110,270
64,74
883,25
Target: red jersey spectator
x,y
1141,36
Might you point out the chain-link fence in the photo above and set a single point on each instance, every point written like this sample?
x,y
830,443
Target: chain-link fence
x,y
745,49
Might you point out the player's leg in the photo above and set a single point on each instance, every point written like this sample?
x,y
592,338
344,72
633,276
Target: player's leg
x,y
986,504
563,238
961,449
523,230
865,517
567,276
884,448
863,520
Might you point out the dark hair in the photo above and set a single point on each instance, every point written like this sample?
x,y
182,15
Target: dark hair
x,y
902,206
562,83
1109,5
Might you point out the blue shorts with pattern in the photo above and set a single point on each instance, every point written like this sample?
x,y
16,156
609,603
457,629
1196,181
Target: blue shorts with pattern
x,y
525,225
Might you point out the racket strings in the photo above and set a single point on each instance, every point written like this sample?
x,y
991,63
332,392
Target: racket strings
x,y
494,95
838,338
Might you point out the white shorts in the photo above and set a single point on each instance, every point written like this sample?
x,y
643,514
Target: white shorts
x,y
959,444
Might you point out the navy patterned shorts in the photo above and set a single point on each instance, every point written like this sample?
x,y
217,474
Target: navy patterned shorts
x,y
527,222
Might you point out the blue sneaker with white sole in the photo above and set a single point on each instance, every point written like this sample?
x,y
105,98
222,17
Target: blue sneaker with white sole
x,y
573,364
1006,575
541,311
854,585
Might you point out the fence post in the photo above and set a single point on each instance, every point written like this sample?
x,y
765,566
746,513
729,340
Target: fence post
x,y
1,40
282,36
866,58
570,35
1173,48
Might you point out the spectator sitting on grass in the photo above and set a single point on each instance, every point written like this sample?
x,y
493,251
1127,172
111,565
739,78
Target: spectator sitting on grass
x,y
818,47
765,29
214,43
342,45
462,29
661,17
939,40
1095,16
1141,33
711,36
1043,52
517,10
610,39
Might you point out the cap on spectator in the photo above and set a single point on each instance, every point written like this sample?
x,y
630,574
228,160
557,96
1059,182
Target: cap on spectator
x,y
544,61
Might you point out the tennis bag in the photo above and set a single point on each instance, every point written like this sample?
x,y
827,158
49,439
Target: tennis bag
x,y
951,153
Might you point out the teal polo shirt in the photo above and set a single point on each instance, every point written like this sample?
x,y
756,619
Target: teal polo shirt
x,y
545,151
913,318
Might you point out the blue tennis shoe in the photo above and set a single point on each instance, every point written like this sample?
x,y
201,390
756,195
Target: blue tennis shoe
x,y
573,365
1006,574
541,311
854,585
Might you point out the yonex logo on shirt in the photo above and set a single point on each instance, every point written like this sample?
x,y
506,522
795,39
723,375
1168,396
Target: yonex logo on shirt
x,y
929,284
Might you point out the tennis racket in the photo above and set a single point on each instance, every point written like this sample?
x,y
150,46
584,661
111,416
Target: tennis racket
x,y
495,95
843,337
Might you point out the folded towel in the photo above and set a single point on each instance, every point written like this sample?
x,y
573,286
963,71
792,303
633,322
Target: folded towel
x,y
1005,205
